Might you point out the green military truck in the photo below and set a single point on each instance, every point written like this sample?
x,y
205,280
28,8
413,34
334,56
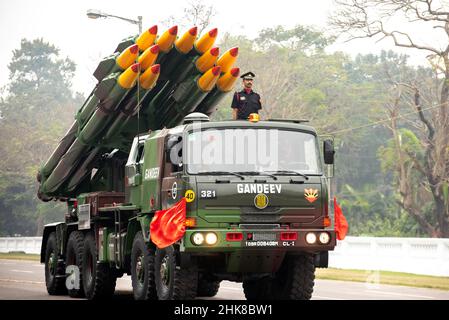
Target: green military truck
x,y
266,229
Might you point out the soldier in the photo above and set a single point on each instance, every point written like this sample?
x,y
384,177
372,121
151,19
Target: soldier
x,y
246,101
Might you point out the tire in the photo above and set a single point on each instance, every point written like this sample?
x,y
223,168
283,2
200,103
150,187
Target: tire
x,y
54,271
207,287
142,269
98,278
172,282
259,289
74,256
295,279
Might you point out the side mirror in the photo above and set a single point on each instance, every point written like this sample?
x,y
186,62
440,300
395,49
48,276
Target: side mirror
x,y
173,150
328,151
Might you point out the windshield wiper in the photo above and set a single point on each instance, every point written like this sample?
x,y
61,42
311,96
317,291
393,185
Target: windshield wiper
x,y
291,172
221,173
258,173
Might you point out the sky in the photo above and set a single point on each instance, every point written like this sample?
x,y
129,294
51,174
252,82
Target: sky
x,y
86,41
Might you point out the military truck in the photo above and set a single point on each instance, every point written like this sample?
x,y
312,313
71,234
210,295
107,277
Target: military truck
x,y
156,191
267,229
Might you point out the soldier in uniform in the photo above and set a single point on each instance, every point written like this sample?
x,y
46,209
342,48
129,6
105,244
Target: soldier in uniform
x,y
246,101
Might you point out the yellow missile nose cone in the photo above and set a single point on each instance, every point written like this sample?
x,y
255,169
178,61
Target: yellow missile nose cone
x,y
227,60
147,38
148,58
148,78
185,43
167,39
208,80
227,81
206,41
128,78
128,57
207,60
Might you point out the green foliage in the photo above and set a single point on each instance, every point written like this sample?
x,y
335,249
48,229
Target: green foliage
x,y
34,115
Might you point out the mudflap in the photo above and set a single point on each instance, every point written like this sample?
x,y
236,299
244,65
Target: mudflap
x,y
321,259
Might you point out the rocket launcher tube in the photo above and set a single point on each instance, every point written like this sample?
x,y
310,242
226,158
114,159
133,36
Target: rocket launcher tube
x,y
207,60
147,82
208,80
224,85
145,40
206,41
148,58
117,62
228,59
185,44
167,39
90,133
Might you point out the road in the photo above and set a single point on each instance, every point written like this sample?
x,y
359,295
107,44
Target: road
x,y
25,280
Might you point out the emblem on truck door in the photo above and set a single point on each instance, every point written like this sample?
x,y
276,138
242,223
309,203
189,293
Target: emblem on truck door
x,y
311,194
261,201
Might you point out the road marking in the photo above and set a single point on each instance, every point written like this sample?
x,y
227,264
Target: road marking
x,y
399,294
21,271
22,281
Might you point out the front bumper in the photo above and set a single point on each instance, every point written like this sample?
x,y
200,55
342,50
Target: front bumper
x,y
258,240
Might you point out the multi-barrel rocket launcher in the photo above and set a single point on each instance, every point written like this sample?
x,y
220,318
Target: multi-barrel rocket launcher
x,y
148,83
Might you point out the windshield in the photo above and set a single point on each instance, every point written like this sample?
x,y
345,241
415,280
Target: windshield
x,y
252,151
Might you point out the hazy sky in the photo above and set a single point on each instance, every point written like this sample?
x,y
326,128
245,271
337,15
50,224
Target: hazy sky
x,y
86,41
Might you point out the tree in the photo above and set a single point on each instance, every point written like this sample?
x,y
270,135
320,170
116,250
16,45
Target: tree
x,y
370,19
35,113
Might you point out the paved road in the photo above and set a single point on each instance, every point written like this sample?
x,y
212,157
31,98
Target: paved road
x,y
25,280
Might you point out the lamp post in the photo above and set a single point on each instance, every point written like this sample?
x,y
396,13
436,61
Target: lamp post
x,y
95,14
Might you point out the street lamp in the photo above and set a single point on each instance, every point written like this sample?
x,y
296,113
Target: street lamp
x,y
95,14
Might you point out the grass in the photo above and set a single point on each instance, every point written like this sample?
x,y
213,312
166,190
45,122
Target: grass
x,y
20,256
385,277
382,277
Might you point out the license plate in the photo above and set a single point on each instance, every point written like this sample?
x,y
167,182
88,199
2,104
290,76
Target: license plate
x,y
264,236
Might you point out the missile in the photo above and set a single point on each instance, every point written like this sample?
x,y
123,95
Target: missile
x,y
167,39
129,105
206,41
187,96
117,62
148,58
207,60
228,59
144,41
185,43
90,133
224,85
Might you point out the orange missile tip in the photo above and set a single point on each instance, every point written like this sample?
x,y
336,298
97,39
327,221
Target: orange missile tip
x,y
135,67
234,51
156,68
215,51
153,30
154,49
134,49
193,31
216,70
173,30
235,72
213,33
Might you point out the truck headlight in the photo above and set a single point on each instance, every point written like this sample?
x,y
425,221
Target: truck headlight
x,y
324,237
211,238
310,238
197,239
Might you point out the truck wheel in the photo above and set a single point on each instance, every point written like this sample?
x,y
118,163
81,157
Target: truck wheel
x,y
142,269
207,287
259,289
172,282
54,272
295,278
74,257
98,278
